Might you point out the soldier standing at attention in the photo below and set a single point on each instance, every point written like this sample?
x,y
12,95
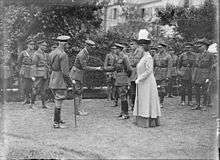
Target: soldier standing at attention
x,y
162,70
59,79
185,66
77,73
123,72
202,73
173,74
134,57
26,71
41,71
109,67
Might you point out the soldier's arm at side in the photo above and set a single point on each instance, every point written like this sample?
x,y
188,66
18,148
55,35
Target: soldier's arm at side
x,y
64,63
170,64
106,61
128,66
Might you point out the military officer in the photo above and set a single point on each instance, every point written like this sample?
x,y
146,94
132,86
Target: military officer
x,y
59,79
108,66
173,74
77,73
134,57
202,73
41,71
162,69
123,72
186,66
24,64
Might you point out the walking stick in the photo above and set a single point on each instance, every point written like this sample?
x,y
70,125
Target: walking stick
x,y
137,102
75,111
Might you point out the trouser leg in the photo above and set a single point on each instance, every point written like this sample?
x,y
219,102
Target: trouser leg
x,y
198,90
189,89
124,102
205,94
57,111
170,86
183,90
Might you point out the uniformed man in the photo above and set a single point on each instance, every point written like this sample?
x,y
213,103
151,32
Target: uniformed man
x,y
173,74
41,71
186,66
202,73
1,78
162,70
59,79
123,72
110,76
26,71
153,50
77,74
134,57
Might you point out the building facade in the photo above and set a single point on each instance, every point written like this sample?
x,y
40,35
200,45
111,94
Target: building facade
x,y
146,9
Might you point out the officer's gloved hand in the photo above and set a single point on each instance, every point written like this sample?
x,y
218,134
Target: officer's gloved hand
x,y
207,81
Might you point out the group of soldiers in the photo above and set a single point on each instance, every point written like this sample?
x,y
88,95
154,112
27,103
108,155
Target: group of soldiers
x,y
193,71
39,70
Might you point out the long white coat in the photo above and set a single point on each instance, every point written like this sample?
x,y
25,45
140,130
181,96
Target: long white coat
x,y
147,102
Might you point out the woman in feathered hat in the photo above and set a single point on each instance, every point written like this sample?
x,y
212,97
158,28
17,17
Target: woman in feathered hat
x,y
147,104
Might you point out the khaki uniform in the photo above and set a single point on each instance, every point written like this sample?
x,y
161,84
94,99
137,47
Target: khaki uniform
x,y
77,74
122,82
162,71
59,79
26,72
186,67
202,72
41,73
110,74
173,74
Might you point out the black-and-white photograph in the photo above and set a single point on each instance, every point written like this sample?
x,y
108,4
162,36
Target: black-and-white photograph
x,y
109,79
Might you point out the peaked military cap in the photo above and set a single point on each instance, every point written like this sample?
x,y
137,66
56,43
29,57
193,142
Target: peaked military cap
x,y
63,38
90,42
162,44
30,39
119,45
188,44
153,48
202,41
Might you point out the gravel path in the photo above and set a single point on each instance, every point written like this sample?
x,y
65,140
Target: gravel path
x,y
183,134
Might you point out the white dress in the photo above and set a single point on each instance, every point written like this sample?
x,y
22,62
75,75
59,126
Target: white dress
x,y
147,102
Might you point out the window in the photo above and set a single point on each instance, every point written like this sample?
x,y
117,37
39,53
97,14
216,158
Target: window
x,y
142,12
115,13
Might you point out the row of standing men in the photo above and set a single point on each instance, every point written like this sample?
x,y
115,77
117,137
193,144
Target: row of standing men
x,y
194,68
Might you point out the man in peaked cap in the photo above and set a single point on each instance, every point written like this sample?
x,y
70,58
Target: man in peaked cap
x,y
162,69
186,67
59,79
202,73
24,64
109,67
123,72
41,70
77,74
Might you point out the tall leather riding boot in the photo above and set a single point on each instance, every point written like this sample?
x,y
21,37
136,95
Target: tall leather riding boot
x,y
56,115
124,107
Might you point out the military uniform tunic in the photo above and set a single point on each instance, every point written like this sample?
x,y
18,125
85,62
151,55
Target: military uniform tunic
x,y
25,65
41,73
186,67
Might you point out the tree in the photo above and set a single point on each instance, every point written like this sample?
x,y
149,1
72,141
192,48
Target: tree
x,y
193,22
